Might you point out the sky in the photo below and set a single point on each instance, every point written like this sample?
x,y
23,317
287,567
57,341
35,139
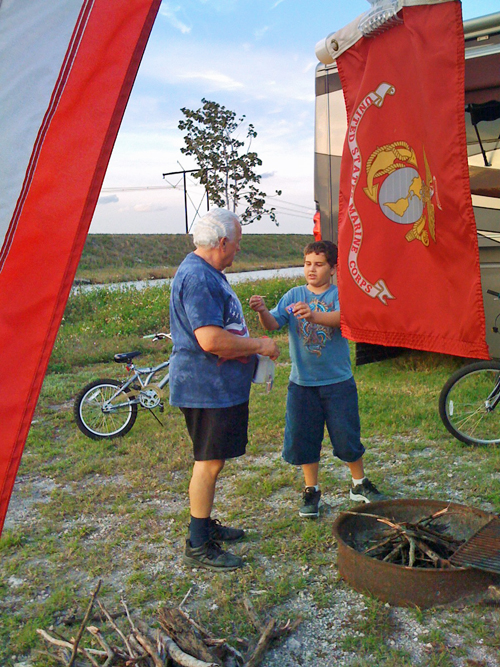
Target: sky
x,y
256,58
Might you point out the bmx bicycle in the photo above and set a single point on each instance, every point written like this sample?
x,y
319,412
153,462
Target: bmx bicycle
x,y
107,408
468,403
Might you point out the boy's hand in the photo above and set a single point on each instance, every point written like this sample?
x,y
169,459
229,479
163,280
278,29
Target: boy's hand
x,y
267,320
302,311
257,303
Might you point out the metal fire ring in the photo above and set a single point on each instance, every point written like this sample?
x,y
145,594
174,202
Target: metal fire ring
x,y
401,585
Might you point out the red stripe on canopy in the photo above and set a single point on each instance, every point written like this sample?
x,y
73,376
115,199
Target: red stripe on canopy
x,y
56,205
47,119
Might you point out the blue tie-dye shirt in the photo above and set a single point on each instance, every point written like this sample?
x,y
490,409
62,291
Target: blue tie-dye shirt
x,y
200,297
320,355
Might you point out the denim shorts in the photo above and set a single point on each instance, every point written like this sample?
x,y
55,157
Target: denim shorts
x,y
308,409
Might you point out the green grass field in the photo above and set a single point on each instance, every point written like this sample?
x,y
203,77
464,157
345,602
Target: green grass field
x,y
122,257
85,510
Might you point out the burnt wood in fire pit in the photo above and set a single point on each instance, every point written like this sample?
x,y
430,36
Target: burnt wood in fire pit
x,y
411,583
422,543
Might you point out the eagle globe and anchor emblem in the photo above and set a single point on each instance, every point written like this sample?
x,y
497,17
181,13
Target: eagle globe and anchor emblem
x,y
404,197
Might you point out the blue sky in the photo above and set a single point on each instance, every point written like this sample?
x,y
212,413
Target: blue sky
x,y
257,58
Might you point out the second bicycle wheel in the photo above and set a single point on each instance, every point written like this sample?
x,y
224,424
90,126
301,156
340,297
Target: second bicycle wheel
x,y
467,404
98,417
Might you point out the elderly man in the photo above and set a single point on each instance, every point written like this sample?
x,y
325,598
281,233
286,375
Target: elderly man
x,y
211,367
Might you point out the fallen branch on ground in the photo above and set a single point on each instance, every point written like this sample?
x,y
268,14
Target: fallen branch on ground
x,y
179,642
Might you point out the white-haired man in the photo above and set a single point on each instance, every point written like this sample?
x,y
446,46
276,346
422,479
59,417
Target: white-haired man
x,y
211,371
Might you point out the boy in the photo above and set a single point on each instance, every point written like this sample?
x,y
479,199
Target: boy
x,y
322,388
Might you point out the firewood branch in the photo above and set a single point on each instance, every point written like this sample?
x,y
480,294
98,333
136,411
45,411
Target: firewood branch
x,y
70,645
116,628
180,641
262,644
84,623
149,648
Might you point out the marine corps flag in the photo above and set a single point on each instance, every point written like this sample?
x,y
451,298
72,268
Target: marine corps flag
x,y
67,68
408,255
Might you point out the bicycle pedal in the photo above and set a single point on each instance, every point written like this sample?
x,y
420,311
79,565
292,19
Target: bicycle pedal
x,y
161,407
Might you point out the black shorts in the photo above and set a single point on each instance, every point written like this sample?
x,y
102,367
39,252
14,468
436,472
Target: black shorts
x,y
218,433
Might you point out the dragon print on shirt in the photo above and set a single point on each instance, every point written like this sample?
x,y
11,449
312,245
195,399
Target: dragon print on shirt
x,y
315,336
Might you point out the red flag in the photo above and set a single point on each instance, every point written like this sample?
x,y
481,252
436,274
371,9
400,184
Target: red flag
x,y
67,70
317,226
408,255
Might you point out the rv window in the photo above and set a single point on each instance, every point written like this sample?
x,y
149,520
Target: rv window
x,y
482,123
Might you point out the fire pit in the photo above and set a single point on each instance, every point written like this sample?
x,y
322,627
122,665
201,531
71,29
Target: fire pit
x,y
403,585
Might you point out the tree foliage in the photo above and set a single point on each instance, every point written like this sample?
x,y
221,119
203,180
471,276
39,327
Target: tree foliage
x,y
227,168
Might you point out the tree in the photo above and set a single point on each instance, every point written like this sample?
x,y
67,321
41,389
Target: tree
x,y
226,171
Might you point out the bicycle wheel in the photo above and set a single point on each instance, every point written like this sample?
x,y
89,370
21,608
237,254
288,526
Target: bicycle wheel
x,y
467,404
96,417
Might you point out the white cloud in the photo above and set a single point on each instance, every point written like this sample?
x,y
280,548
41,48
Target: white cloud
x,y
108,199
219,80
260,32
277,3
310,65
259,73
149,208
170,13
274,88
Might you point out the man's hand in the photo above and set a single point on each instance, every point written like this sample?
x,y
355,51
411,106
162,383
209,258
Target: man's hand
x,y
257,303
227,345
269,348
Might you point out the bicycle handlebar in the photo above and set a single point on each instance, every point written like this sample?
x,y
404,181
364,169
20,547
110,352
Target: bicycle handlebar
x,y
493,293
158,336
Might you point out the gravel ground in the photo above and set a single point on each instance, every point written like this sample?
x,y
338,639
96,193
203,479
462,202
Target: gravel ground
x,y
429,640
318,641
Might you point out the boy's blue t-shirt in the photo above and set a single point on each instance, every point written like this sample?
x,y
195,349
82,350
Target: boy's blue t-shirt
x,y
201,296
320,355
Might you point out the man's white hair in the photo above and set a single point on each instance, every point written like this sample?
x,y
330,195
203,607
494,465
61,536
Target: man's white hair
x,y
215,225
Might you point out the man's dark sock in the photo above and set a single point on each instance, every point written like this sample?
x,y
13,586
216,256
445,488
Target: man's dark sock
x,y
199,531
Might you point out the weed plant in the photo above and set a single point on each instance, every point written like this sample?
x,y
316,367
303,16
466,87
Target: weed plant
x,y
117,510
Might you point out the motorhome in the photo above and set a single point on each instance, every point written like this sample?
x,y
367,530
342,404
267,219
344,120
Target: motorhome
x,y
482,120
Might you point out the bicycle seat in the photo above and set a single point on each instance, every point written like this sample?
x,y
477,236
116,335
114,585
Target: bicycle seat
x,y
126,357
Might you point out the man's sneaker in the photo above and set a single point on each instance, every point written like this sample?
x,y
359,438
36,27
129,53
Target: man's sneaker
x,y
211,556
220,533
366,492
310,502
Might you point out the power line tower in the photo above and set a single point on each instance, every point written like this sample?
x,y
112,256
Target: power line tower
x,y
184,172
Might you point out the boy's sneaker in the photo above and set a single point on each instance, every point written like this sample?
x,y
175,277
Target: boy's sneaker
x,y
220,533
310,502
211,556
366,492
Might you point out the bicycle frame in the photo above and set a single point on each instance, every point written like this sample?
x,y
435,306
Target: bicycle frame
x,y
150,372
107,407
494,398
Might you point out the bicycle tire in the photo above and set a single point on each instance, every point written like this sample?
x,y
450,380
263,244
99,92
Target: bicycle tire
x,y
462,404
92,421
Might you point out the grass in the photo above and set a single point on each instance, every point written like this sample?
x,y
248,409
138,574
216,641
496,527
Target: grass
x,y
122,257
117,510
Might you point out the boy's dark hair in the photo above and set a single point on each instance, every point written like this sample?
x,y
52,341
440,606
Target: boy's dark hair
x,y
328,248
